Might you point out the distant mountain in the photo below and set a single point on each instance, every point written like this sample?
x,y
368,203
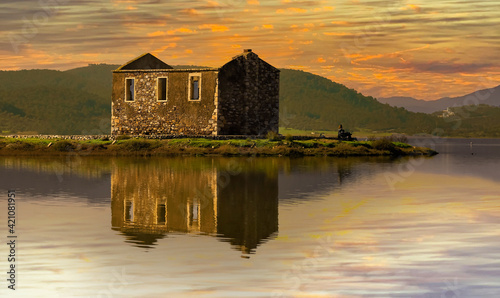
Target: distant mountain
x,y
485,96
78,101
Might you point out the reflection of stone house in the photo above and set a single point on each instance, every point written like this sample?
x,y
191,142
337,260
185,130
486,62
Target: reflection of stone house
x,y
149,202
239,98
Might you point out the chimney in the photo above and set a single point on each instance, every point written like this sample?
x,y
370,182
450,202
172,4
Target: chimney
x,y
247,50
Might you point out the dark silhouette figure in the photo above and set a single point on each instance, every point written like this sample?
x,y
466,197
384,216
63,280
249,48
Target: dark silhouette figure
x,y
344,135
341,131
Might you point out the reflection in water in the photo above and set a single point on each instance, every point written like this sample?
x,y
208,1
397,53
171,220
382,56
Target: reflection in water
x,y
343,231
234,200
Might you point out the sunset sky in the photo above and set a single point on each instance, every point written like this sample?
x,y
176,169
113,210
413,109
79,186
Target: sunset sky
x,y
422,48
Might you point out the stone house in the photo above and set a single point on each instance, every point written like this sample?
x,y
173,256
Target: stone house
x,y
150,97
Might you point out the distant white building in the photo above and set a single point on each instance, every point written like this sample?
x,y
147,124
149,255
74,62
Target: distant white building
x,y
447,113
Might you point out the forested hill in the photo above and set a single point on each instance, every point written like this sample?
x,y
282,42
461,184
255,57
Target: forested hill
x,y
309,101
78,101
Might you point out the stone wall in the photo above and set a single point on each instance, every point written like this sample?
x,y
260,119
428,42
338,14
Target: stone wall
x,y
248,96
176,116
241,98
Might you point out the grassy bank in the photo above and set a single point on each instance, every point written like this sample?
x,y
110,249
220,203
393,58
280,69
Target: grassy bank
x,y
202,147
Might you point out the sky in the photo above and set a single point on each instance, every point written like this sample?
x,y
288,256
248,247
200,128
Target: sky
x,y
419,48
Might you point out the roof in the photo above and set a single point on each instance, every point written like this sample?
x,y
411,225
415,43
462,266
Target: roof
x,y
248,53
148,63
145,62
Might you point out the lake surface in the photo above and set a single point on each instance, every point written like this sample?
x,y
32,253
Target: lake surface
x,y
257,227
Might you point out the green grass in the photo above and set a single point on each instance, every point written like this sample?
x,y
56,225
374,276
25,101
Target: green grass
x,y
356,132
203,146
96,142
310,133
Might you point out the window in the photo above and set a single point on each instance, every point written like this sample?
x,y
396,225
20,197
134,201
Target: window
x,y
161,214
194,213
129,90
162,87
195,86
129,211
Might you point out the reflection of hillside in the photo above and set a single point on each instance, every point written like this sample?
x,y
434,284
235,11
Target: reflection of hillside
x,y
302,178
68,178
235,199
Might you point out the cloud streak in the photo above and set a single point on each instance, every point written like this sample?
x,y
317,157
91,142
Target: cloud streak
x,y
366,45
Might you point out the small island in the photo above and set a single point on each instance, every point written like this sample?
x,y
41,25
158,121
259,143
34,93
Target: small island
x,y
273,145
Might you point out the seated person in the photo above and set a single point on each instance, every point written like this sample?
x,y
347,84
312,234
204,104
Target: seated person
x,y
341,131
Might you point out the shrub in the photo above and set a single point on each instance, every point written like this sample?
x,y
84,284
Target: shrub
x,y
64,146
400,138
203,143
137,145
241,143
289,138
342,149
308,144
272,136
383,144
226,150
20,146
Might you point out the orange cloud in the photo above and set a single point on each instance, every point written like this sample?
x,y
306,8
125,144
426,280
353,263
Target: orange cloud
x,y
267,26
180,30
341,23
325,8
253,2
414,7
291,10
298,67
337,33
190,11
156,33
214,27
296,28
321,60
213,3
162,49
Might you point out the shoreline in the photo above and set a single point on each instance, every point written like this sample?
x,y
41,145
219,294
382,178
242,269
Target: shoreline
x,y
229,146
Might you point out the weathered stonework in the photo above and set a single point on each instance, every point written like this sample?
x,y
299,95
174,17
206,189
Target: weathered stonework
x,y
248,96
240,98
177,115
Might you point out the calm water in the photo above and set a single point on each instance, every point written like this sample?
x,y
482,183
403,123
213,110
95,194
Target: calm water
x,y
258,227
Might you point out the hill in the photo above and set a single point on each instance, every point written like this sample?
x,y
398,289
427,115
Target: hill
x,y
486,96
472,121
78,101
309,101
